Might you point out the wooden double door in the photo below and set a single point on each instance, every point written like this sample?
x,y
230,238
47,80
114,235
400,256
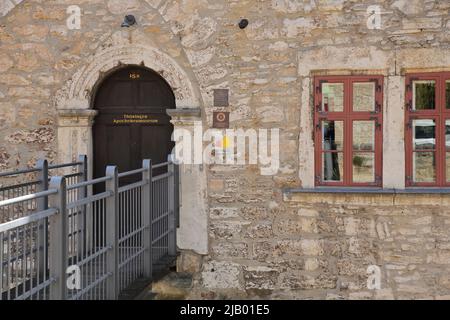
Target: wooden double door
x,y
132,123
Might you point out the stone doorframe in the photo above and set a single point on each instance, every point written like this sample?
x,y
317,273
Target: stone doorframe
x,y
76,117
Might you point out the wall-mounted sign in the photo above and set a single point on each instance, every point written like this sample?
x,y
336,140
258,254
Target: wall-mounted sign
x,y
134,119
221,97
221,120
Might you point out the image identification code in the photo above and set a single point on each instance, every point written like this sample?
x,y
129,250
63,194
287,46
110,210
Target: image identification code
x,y
230,310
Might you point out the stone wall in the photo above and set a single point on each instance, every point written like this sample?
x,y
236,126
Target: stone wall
x,y
261,241
320,246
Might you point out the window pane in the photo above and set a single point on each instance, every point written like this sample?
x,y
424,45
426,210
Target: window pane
x,y
363,135
333,166
447,164
424,167
447,135
447,93
364,96
424,95
363,167
424,133
332,97
332,135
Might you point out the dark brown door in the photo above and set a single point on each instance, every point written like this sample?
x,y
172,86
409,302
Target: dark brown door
x,y
132,123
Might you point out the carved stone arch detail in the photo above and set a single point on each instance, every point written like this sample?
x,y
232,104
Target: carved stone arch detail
x,y
76,94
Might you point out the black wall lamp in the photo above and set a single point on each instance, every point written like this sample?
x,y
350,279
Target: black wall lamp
x,y
243,23
128,21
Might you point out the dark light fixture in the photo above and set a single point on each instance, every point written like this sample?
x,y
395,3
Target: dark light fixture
x,y
128,21
243,23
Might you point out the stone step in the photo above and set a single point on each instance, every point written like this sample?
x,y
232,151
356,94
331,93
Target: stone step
x,y
173,286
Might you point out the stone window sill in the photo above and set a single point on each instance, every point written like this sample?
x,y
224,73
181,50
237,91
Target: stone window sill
x,y
369,196
350,190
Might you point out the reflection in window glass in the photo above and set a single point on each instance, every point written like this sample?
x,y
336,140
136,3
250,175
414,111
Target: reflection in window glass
x,y
332,135
447,93
447,135
424,134
363,167
363,135
447,147
364,96
447,165
424,167
333,166
424,95
332,97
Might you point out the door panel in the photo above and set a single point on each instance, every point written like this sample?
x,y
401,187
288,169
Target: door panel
x,y
132,123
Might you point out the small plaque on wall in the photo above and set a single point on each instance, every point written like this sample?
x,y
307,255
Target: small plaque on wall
x,y
221,120
221,97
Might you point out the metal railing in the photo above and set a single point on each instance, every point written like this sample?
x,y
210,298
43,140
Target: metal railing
x,y
32,180
95,245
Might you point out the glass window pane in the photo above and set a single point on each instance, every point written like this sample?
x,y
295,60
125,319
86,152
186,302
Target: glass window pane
x,y
424,94
332,97
364,96
333,166
447,93
447,135
447,165
424,134
332,135
363,167
424,167
363,135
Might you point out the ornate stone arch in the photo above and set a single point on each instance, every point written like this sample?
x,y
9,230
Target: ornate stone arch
x,y
76,94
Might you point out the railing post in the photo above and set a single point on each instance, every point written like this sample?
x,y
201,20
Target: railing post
x,y
172,245
58,239
177,194
1,265
81,194
42,204
146,211
83,168
112,233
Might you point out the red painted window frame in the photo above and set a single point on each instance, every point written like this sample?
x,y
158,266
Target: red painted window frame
x,y
440,114
348,116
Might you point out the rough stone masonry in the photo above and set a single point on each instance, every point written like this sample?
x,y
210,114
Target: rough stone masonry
x,y
261,240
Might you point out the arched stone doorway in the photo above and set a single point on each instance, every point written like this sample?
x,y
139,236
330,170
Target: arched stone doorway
x,y
132,122
74,103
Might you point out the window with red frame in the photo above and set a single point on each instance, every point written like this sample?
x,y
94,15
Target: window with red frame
x,y
348,121
428,129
